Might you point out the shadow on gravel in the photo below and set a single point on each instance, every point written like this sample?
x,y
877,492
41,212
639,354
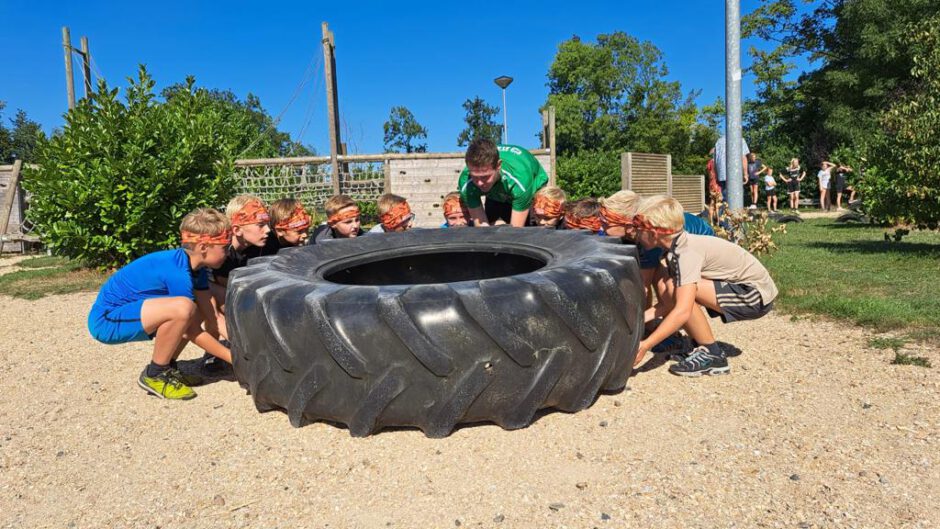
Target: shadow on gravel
x,y
196,367
660,360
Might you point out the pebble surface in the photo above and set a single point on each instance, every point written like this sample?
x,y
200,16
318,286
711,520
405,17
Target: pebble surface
x,y
812,429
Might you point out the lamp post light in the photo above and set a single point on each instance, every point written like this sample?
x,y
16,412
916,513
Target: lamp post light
x,y
504,81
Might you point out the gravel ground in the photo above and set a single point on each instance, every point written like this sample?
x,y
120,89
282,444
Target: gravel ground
x,y
811,429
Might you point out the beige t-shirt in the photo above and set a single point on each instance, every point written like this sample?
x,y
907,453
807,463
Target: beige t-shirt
x,y
708,257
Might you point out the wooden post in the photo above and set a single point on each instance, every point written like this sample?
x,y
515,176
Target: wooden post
x,y
69,79
551,143
331,111
388,175
669,175
6,209
86,66
626,170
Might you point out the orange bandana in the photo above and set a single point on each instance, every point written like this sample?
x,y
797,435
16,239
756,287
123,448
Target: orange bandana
x,y
251,213
298,220
643,224
396,215
592,223
616,219
454,205
224,238
349,212
546,207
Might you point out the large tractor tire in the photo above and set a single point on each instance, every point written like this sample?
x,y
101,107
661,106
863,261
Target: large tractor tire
x,y
431,328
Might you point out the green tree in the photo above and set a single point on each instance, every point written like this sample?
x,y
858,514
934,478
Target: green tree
x,y
115,182
481,122
18,142
403,133
249,123
860,61
904,183
612,96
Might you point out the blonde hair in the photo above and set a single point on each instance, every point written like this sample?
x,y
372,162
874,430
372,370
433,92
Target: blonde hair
x,y
283,208
554,193
663,212
387,201
335,203
622,203
204,221
236,204
794,163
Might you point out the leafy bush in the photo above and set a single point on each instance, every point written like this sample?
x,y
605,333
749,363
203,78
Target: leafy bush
x,y
116,181
589,174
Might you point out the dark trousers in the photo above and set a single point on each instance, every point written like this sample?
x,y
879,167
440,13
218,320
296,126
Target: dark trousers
x,y
497,210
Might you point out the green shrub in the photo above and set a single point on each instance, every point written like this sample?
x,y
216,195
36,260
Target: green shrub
x,y
116,181
589,174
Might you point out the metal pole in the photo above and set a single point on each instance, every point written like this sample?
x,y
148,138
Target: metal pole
x,y
69,79
733,151
86,65
505,120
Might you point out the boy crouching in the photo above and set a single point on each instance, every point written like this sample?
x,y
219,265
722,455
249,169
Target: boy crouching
x,y
705,271
164,297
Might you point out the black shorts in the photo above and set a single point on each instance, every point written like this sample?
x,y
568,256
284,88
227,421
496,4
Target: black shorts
x,y
738,302
497,210
753,181
839,183
793,186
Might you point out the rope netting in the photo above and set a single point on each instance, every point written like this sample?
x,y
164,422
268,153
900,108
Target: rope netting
x,y
311,183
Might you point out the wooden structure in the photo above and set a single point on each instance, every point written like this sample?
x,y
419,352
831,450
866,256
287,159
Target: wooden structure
x,y
423,178
651,174
13,233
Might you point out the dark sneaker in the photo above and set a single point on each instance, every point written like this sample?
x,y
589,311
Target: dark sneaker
x,y
166,385
214,368
701,362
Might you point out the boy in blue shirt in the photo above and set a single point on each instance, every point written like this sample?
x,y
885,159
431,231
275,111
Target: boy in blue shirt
x,y
164,296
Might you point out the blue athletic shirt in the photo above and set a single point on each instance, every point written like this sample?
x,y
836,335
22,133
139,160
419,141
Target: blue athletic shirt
x,y
693,224
155,275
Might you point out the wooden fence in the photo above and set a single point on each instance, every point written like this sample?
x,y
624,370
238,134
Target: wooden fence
x,y
651,174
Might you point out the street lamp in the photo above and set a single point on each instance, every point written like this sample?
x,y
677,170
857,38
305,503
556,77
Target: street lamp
x,y
504,81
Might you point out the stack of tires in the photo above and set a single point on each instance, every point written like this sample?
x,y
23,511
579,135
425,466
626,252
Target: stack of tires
x,y
432,328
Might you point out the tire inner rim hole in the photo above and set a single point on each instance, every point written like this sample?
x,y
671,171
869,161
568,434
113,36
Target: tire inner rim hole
x,y
435,267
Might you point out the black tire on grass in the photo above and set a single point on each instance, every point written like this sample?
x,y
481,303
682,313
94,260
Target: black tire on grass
x,y
785,218
433,328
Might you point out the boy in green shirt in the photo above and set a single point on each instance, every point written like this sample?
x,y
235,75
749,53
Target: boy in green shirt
x,y
507,175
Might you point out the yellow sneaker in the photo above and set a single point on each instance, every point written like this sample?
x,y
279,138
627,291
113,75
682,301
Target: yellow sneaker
x,y
166,385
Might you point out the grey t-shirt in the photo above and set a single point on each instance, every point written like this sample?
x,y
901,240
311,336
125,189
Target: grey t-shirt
x,y
705,257
720,156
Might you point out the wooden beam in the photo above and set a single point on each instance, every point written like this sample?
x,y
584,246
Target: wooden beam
x,y
86,65
69,78
6,208
551,144
331,111
353,158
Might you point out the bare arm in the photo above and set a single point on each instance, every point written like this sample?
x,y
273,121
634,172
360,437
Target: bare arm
x,y
519,218
478,215
673,321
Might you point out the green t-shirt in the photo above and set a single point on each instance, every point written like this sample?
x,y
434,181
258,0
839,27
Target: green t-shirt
x,y
521,175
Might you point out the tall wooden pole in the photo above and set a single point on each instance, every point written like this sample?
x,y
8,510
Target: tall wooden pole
x,y
551,142
331,111
6,209
69,79
86,66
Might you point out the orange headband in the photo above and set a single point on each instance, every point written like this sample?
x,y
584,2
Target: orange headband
x,y
643,224
224,237
615,219
346,213
546,207
251,213
298,220
454,205
592,223
396,215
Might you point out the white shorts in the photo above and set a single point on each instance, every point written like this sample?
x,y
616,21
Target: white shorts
x,y
824,182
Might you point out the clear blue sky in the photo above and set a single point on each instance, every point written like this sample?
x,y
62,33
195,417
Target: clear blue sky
x,y
428,56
